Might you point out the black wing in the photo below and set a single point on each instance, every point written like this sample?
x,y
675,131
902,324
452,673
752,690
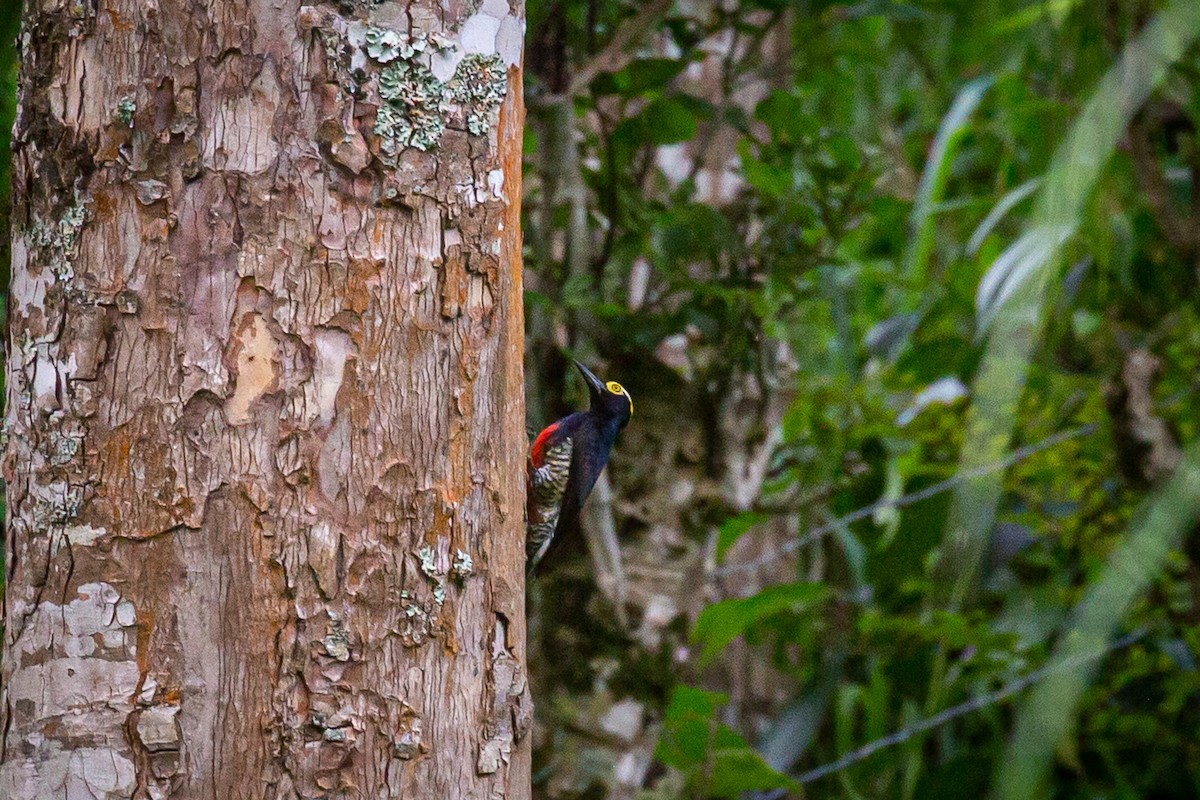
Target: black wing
x,y
588,457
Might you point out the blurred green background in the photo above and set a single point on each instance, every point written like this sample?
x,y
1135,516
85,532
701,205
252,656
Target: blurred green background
x,y
906,298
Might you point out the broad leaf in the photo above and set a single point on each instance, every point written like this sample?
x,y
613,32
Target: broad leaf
x,y
721,623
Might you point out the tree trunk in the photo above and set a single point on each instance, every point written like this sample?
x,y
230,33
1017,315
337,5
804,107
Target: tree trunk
x,y
265,427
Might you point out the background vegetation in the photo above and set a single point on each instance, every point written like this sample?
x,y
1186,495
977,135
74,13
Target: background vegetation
x,y
905,294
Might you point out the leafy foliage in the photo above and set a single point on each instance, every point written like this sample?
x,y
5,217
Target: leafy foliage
x,y
718,761
802,234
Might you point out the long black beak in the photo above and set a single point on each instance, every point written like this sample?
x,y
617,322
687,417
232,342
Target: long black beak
x,y
596,385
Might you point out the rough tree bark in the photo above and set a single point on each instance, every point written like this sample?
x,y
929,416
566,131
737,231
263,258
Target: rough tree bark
x,y
265,426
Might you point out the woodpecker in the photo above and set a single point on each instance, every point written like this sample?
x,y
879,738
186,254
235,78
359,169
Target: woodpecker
x,y
564,463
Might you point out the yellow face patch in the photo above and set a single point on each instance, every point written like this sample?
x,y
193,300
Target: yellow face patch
x,y
617,388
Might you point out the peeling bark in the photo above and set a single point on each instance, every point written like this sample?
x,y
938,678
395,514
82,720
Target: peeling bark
x,y
265,425
1147,451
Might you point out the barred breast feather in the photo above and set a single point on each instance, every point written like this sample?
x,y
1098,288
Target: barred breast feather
x,y
547,482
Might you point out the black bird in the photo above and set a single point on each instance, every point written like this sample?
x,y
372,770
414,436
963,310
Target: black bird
x,y
564,462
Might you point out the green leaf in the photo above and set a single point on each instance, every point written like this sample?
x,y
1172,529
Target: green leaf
x,y
1046,10
690,232
937,171
721,623
643,75
667,121
734,528
784,116
738,768
1084,322
687,727
999,211
771,180
719,760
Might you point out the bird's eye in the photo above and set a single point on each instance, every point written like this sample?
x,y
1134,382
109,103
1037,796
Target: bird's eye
x,y
618,389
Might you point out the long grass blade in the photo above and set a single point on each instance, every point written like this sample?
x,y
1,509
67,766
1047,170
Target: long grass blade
x,y
932,188
1044,718
1012,299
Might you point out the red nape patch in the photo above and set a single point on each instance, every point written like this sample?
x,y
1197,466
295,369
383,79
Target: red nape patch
x,y
539,445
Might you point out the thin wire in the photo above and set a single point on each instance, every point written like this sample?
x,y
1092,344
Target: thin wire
x,y
1020,454
942,717
974,704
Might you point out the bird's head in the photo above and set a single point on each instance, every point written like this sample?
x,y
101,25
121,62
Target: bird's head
x,y
609,399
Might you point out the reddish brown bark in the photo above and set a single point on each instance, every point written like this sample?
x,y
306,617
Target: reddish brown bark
x,y
265,410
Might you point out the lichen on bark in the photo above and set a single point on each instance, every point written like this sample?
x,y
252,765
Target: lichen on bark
x,y
424,81
263,372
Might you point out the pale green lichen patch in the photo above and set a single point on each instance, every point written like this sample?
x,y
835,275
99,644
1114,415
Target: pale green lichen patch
x,y
62,448
420,617
126,108
332,45
441,43
57,504
426,556
424,79
416,626
385,45
58,240
415,105
479,85
84,535
337,640
463,566
415,109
